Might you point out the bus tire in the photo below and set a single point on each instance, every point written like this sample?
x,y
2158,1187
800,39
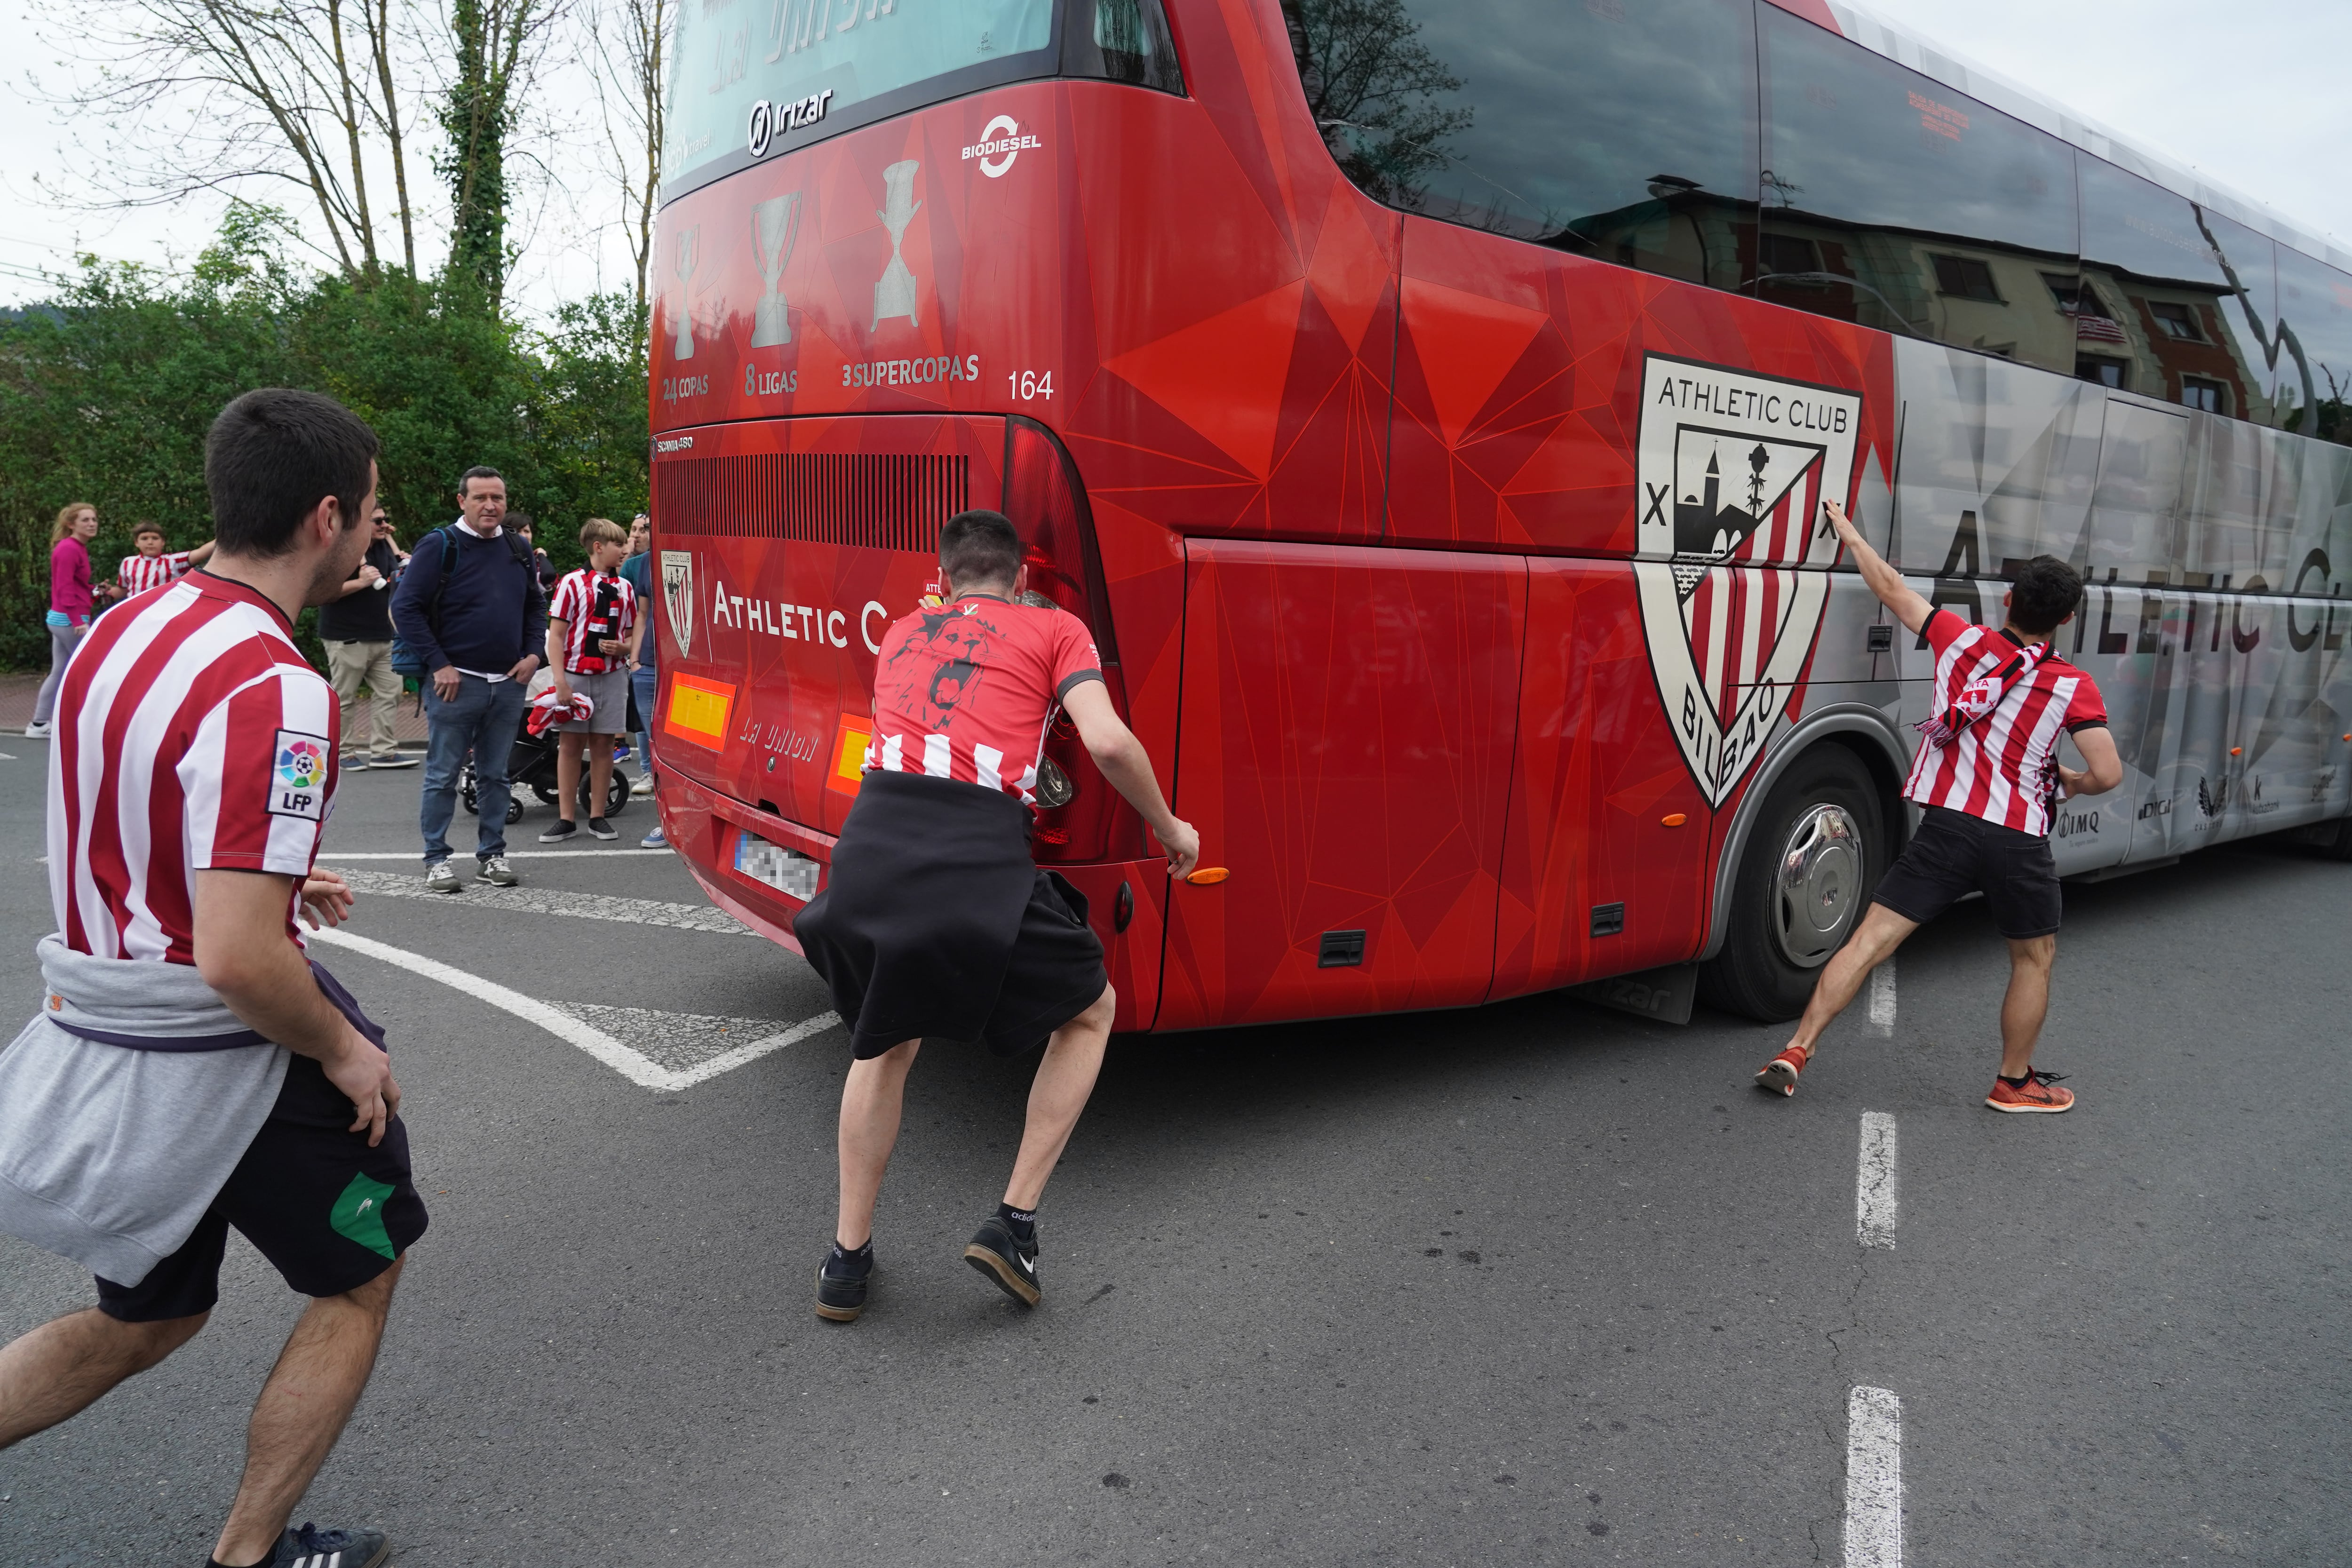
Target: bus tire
x,y
2335,845
1817,849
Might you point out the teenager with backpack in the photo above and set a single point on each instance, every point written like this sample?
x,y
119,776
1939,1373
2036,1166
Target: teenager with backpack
x,y
470,615
1985,779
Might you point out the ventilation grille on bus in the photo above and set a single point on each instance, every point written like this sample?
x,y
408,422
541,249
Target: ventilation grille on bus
x,y
879,502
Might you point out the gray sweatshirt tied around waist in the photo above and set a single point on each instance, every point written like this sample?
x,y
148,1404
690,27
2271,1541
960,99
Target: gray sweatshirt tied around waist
x,y
122,1111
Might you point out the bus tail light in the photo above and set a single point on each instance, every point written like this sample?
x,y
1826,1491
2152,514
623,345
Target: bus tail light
x,y
1045,503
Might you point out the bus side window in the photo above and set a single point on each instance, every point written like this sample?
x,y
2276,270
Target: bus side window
x,y
2165,267
1619,130
1896,202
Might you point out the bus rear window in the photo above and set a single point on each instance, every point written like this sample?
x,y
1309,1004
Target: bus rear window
x,y
751,77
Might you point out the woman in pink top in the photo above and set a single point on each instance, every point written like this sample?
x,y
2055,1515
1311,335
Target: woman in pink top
x,y
70,602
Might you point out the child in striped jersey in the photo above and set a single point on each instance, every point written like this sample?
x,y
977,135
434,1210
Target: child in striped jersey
x,y
1984,778
155,563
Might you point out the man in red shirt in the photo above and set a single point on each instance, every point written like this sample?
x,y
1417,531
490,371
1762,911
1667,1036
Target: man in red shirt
x,y
934,922
1984,778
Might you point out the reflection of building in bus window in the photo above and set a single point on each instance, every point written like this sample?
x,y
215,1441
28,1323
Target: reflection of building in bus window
x,y
2316,307
1933,215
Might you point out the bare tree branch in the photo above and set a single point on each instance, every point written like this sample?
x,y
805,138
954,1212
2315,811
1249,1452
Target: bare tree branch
x,y
204,95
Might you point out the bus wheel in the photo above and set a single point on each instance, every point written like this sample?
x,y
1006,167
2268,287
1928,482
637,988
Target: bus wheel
x,y
2334,839
1817,849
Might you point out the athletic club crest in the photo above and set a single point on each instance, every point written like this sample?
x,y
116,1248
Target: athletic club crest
x,y
1731,470
677,594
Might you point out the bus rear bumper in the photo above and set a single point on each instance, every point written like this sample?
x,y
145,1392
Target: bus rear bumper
x,y
702,825
1126,899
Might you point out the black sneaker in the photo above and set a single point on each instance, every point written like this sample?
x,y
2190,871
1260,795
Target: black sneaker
x,y
840,1297
1005,1259
559,832
602,828
310,1547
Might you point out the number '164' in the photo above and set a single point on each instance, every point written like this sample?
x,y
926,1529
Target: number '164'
x,y
1029,386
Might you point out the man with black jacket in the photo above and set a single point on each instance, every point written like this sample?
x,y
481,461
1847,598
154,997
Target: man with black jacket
x,y
356,626
471,606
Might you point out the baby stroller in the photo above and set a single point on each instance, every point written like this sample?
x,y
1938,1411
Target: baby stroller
x,y
531,764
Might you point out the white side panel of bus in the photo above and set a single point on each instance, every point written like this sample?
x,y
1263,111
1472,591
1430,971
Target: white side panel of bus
x,y
2130,546
2001,463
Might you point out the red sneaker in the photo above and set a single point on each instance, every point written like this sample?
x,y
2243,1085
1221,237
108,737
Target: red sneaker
x,y
1779,1074
2037,1093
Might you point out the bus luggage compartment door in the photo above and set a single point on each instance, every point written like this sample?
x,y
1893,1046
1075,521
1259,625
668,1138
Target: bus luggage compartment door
x,y
1345,749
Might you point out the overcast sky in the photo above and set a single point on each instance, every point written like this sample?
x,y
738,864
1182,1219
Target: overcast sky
x,y
2251,93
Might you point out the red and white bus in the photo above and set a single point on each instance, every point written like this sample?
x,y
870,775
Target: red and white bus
x,y
1427,403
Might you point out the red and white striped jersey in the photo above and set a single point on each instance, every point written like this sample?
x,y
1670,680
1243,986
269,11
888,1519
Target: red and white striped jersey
x,y
592,606
2004,768
190,736
965,691
140,573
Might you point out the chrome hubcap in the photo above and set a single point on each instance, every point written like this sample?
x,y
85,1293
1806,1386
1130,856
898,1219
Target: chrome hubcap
x,y
1818,886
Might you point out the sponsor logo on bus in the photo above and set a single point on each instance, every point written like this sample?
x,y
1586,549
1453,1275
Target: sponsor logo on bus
x,y
1730,471
1001,141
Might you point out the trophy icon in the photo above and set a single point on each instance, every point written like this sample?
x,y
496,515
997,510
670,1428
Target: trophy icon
x,y
688,257
894,295
775,224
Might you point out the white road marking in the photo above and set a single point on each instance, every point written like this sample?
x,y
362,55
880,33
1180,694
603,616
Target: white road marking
x,y
548,902
634,1066
1873,1479
1882,1000
1874,1182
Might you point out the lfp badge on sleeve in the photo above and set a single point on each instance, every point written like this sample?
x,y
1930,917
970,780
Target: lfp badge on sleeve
x,y
1731,468
677,594
298,778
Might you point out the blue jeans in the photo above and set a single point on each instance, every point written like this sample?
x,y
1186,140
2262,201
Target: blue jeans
x,y
484,719
646,684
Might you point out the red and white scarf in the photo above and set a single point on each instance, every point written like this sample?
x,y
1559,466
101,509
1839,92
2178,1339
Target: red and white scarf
x,y
1974,703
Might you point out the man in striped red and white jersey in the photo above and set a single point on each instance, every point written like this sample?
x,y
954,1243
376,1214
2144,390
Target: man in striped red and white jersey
x,y
156,564
934,922
1984,778
192,1070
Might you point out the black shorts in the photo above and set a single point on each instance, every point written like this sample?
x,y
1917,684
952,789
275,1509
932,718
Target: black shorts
x,y
328,1211
1954,854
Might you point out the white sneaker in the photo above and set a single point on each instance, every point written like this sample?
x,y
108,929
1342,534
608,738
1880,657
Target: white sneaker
x,y
441,878
36,732
641,784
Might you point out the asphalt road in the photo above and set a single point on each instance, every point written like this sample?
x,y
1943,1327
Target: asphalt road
x,y
1532,1284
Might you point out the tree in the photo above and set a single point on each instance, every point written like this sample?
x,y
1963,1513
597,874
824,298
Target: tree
x,y
214,94
1372,84
495,43
629,38
106,391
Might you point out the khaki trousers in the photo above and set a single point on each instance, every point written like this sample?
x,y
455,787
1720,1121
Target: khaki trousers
x,y
352,665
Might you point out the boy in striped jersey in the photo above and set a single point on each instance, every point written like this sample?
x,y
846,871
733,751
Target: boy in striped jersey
x,y
156,564
1985,776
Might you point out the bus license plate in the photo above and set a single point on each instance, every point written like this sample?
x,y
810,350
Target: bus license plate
x,y
787,871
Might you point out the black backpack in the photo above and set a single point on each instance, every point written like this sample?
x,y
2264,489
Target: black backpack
x,y
406,660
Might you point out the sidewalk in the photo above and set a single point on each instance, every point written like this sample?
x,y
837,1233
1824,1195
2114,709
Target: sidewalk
x,y
20,688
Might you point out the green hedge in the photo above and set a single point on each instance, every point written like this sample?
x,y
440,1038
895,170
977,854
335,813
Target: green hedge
x,y
106,391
